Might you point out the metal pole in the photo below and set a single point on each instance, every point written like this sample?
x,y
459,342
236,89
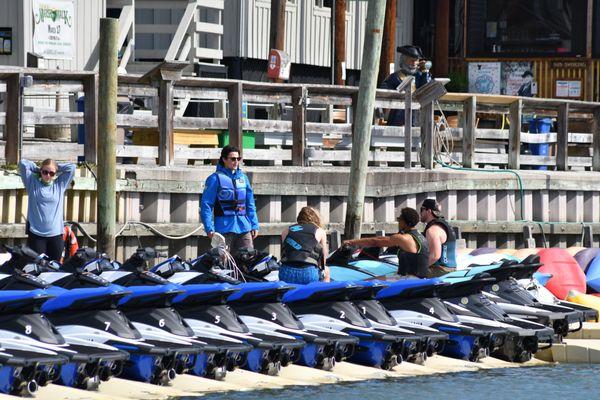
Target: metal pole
x,y
363,120
107,132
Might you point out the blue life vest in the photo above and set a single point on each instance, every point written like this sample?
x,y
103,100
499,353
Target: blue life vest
x,y
231,196
448,256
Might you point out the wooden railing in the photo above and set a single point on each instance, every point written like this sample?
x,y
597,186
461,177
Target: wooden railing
x,y
306,124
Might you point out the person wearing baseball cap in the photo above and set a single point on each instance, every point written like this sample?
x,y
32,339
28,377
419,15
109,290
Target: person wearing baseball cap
x,y
440,237
411,64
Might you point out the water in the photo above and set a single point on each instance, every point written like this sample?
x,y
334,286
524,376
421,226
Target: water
x,y
565,382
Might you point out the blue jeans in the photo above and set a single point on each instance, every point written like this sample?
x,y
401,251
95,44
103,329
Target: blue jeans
x,y
302,275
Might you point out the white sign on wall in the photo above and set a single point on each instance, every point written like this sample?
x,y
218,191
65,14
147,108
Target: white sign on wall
x,y
485,77
53,29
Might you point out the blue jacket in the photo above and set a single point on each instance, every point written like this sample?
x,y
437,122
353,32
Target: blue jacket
x,y
232,223
45,210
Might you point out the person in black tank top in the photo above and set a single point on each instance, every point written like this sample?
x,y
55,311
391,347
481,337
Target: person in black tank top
x,y
413,251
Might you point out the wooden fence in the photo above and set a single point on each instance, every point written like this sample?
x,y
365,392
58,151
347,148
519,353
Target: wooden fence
x,y
305,124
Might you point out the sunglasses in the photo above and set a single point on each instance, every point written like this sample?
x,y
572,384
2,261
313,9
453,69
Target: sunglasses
x,y
235,158
46,172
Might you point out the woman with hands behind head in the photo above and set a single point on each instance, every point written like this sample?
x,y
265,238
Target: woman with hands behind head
x,y
46,188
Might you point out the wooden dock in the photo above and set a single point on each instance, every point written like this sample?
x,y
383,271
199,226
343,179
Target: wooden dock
x,y
241,380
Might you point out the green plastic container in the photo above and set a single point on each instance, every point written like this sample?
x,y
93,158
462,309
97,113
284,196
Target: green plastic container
x,y
248,139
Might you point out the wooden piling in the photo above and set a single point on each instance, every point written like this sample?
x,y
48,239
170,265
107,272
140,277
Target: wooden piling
x,y
364,118
109,31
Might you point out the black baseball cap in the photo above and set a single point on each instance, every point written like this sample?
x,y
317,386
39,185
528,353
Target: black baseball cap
x,y
434,206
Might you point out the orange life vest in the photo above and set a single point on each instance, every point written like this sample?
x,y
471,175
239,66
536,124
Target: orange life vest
x,y
71,244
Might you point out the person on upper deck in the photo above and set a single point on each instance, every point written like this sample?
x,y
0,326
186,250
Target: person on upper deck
x,y
411,64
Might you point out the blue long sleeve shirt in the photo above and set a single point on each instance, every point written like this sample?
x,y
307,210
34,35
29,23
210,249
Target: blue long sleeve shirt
x,y
232,223
45,212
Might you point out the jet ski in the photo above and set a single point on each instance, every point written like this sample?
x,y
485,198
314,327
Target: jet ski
x,y
86,308
520,338
323,347
518,302
419,342
416,301
534,284
349,263
328,306
273,348
90,360
26,362
148,307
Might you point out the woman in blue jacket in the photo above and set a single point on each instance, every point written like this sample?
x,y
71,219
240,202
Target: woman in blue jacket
x,y
45,188
227,205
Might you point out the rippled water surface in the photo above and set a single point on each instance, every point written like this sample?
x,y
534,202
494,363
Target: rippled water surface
x,y
568,382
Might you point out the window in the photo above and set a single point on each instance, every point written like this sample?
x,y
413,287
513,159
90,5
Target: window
x,y
498,28
324,3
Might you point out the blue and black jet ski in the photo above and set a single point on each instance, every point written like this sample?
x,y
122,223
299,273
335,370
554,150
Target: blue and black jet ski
x,y
465,299
416,301
32,353
258,303
516,301
91,359
273,348
419,342
328,305
148,307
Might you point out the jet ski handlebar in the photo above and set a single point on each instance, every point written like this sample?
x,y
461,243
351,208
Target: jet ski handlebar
x,y
142,255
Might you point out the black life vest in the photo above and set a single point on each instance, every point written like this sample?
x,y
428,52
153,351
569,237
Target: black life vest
x,y
416,264
300,246
448,256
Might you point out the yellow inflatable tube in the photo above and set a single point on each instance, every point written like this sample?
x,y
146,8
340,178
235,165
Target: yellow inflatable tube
x,y
584,299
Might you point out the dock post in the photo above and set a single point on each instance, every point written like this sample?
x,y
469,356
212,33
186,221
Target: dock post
x,y
562,138
107,129
515,115
469,132
14,124
361,140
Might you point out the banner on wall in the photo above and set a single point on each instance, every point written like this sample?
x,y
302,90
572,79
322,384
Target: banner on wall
x,y
53,29
485,77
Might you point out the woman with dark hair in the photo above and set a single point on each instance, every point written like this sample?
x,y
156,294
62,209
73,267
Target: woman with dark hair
x,y
46,188
304,250
227,204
